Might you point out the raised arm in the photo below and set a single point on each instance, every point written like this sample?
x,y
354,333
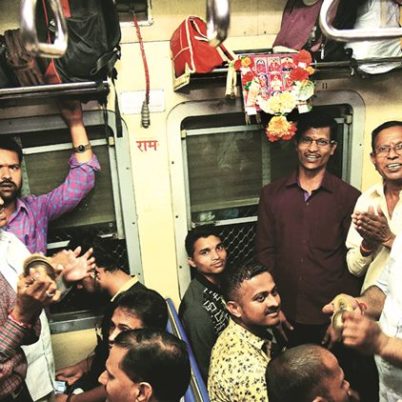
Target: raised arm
x,y
71,112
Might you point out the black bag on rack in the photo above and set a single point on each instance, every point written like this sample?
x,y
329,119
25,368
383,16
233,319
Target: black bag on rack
x,y
93,46
93,40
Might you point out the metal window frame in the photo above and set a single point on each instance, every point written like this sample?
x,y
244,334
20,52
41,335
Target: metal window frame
x,y
120,166
213,106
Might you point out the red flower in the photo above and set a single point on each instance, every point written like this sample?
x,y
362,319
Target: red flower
x,y
237,64
299,74
249,76
303,57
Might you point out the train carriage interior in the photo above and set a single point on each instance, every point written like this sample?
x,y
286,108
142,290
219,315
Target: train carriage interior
x,y
197,160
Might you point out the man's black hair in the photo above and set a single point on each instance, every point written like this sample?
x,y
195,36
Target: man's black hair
x,y
11,145
158,358
383,126
193,235
297,374
234,276
315,119
147,304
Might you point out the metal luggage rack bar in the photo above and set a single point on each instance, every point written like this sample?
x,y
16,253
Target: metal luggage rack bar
x,y
324,69
89,90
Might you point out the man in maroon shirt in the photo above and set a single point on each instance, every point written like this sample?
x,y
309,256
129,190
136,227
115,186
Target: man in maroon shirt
x,y
303,220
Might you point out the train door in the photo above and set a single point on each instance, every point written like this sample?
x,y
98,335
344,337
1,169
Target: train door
x,y
223,164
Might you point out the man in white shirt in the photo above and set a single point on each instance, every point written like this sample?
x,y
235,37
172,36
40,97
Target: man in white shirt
x,y
13,252
378,212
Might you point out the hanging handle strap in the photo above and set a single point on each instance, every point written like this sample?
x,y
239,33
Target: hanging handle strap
x,y
29,33
218,21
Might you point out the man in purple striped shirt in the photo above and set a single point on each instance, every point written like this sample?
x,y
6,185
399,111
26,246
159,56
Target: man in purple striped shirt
x,y
28,217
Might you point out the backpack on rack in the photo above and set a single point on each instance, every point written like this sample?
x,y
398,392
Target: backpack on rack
x,y
93,40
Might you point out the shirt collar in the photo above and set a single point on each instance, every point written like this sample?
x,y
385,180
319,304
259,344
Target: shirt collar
x,y
246,335
204,281
131,282
328,182
20,205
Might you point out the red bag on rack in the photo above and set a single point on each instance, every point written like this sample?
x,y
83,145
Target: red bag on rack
x,y
191,52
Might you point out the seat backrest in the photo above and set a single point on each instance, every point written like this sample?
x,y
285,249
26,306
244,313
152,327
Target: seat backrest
x,y
197,391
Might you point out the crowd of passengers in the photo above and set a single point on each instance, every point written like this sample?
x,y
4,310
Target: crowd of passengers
x,y
315,316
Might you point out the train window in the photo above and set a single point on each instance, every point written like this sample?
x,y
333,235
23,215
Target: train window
x,y
47,147
224,163
140,8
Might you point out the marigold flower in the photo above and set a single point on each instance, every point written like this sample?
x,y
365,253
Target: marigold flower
x,y
279,103
310,70
279,128
247,62
288,102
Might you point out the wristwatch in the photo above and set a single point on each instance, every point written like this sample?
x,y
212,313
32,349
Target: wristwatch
x,y
82,148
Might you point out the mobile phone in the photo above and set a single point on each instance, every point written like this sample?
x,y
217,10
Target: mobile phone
x,y
60,387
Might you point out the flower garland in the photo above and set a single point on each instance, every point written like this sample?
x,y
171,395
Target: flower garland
x,y
276,84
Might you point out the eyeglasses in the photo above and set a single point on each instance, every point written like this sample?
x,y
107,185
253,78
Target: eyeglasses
x,y
383,150
321,142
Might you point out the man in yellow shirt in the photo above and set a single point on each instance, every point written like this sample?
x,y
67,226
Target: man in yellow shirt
x,y
243,350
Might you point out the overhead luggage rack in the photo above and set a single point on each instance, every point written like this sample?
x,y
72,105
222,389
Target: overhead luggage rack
x,y
324,69
85,91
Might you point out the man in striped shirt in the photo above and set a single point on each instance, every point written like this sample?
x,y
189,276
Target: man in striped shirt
x,y
28,217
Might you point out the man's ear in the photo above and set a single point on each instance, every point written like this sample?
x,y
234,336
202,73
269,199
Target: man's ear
x,y
234,308
191,262
373,161
333,148
145,392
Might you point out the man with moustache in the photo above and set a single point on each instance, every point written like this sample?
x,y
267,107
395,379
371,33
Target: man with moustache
x,y
377,217
28,217
143,308
147,365
202,309
303,220
307,373
242,351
